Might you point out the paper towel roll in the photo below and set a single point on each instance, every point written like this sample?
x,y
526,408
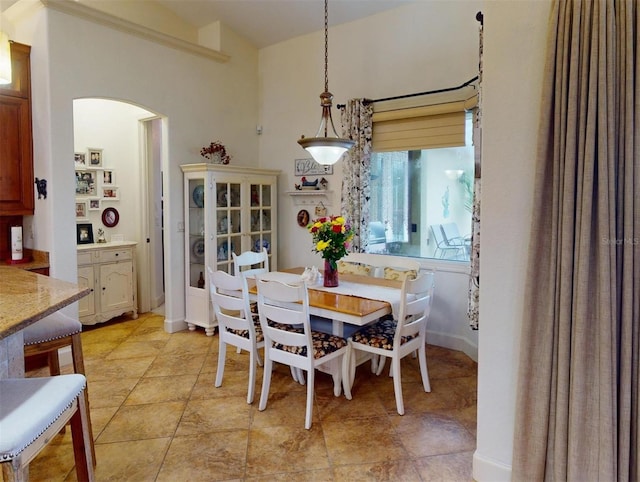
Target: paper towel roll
x,y
16,243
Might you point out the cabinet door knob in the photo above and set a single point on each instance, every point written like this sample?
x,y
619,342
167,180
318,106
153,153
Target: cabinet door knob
x,y
117,254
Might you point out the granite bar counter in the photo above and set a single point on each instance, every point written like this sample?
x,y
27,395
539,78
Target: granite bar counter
x,y
26,297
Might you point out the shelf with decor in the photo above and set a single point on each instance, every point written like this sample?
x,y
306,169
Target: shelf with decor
x,y
311,197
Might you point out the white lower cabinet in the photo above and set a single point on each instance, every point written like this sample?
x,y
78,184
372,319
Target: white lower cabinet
x,y
109,271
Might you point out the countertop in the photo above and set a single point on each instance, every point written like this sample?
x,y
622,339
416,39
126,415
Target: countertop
x,y
37,260
26,297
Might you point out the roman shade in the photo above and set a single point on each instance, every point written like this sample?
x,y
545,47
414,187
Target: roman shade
x,y
421,127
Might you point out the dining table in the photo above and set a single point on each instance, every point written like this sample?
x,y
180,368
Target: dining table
x,y
26,297
356,301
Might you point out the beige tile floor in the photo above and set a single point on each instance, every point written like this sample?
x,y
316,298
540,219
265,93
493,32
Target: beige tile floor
x,y
158,417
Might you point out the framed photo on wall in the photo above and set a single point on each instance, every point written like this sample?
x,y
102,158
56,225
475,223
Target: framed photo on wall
x,y
80,160
81,210
94,204
108,177
84,233
95,157
86,183
110,193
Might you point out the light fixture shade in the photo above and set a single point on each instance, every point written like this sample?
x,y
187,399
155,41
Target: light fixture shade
x,y
5,59
326,150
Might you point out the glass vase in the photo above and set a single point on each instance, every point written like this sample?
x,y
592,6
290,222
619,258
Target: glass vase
x,y
330,274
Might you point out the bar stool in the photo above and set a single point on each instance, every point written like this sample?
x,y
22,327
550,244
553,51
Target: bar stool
x,y
32,411
50,334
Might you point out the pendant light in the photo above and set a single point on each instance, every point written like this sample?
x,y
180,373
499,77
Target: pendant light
x,y
5,56
323,148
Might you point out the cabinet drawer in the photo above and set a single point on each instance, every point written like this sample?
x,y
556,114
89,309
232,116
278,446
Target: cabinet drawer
x,y
84,258
109,256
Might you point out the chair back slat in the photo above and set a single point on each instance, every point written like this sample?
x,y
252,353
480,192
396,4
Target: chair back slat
x,y
417,297
250,263
230,299
282,306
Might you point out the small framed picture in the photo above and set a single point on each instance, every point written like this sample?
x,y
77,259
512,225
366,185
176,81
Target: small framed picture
x,y
84,233
108,177
81,210
309,167
94,204
110,217
95,157
86,183
110,193
80,159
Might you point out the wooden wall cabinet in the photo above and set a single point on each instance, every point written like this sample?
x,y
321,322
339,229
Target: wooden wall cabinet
x,y
109,271
16,142
228,209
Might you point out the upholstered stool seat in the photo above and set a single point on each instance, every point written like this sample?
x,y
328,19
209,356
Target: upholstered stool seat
x,y
32,411
47,336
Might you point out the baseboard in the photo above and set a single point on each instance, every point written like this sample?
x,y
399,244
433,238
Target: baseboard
x,y
64,356
453,342
489,470
173,326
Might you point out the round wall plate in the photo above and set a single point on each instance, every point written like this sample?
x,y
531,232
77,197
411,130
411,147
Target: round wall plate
x,y
110,217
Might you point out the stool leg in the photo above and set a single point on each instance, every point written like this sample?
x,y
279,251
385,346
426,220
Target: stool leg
x,y
54,363
78,367
82,442
13,471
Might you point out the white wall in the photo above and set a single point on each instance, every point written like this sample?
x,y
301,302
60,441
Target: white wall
x,y
513,70
423,46
114,128
202,100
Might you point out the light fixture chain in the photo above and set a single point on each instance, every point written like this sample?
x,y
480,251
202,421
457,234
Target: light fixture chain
x,y
326,45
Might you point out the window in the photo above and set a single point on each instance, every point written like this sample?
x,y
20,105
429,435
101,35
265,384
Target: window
x,y
422,200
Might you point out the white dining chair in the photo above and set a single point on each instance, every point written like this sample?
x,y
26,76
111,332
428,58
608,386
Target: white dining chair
x,y
397,338
250,263
284,317
237,326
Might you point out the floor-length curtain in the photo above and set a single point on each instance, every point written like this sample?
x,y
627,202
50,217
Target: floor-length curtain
x,y
577,403
356,119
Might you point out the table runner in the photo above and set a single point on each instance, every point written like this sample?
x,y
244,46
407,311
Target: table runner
x,y
350,288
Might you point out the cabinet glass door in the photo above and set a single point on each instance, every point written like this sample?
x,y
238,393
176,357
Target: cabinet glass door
x,y
196,227
261,217
228,224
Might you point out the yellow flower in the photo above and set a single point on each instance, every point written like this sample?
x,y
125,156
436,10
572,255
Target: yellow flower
x,y
321,245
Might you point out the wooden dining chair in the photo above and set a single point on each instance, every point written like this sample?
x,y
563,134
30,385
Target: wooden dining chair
x,y
237,326
397,338
284,317
32,412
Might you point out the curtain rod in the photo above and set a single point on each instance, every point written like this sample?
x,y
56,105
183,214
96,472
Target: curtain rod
x,y
438,91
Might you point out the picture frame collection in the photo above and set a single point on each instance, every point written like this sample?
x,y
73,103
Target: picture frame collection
x,y
95,184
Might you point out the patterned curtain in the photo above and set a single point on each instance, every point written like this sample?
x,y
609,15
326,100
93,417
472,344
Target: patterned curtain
x,y
356,119
473,310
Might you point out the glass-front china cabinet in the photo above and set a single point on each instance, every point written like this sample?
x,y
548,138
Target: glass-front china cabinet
x,y
227,210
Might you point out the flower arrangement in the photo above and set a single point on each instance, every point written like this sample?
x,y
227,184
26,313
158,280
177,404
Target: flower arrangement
x,y
331,237
215,151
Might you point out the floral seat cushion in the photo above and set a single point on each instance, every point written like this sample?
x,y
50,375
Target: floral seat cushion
x,y
380,335
256,327
323,344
